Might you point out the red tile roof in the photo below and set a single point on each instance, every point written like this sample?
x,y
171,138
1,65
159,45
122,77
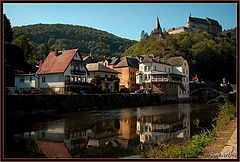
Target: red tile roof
x,y
57,64
53,149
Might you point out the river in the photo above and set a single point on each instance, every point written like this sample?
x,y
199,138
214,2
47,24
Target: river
x,y
104,133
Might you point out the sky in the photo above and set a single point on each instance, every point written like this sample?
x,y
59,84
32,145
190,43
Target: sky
x,y
126,20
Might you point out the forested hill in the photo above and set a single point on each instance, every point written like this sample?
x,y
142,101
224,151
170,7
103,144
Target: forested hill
x,y
210,57
73,36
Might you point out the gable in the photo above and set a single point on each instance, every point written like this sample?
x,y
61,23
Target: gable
x,y
58,63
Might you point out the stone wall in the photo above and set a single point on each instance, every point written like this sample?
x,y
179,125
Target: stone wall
x,y
64,103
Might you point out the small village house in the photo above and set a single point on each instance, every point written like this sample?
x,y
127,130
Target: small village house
x,y
26,81
128,66
160,76
60,72
107,76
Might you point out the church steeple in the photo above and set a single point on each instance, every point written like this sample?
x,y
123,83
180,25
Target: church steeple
x,y
157,23
157,32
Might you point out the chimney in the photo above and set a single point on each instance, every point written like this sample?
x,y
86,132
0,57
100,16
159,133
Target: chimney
x,y
56,52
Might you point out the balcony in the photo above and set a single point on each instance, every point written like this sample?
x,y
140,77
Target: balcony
x,y
160,80
78,72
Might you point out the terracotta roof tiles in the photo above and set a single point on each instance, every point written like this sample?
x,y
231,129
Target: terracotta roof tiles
x,y
57,64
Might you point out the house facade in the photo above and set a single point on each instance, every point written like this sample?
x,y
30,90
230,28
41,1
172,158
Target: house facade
x,y
106,75
179,64
26,81
60,72
127,67
160,76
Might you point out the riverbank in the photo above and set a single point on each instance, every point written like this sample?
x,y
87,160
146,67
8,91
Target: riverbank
x,y
225,144
38,104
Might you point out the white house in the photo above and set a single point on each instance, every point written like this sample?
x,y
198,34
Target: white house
x,y
180,64
26,81
106,75
61,71
164,76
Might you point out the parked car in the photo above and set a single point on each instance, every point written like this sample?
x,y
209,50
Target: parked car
x,y
139,91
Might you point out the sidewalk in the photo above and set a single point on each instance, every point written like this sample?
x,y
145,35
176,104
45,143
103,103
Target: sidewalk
x,y
225,144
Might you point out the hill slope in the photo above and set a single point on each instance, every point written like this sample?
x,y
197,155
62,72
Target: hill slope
x,y
210,57
73,36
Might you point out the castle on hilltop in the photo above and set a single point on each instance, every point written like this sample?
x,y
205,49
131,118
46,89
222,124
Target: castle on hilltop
x,y
193,23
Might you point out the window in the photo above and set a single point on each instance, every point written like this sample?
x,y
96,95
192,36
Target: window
x,y
165,69
22,79
72,79
60,78
169,70
79,79
145,68
30,79
154,67
44,79
84,79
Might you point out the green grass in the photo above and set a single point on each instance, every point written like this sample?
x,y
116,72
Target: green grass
x,y
190,149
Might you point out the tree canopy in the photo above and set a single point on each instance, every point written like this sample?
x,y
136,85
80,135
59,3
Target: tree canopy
x,y
8,33
46,37
210,57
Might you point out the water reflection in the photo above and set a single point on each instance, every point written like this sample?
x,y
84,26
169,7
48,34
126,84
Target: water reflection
x,y
165,126
114,133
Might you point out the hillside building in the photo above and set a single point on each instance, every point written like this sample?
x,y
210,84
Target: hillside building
x,y
170,77
105,74
207,24
127,67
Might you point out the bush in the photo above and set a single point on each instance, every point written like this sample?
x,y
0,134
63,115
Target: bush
x,y
227,112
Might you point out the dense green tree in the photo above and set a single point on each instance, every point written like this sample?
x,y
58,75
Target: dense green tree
x,y
62,36
22,42
8,34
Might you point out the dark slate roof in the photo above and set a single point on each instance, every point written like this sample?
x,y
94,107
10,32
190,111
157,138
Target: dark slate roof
x,y
128,62
176,61
212,22
198,20
100,67
157,59
115,60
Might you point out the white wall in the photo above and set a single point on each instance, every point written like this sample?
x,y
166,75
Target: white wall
x,y
68,70
27,83
51,80
185,80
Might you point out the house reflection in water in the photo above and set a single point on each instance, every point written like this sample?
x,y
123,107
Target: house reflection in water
x,y
163,127
127,130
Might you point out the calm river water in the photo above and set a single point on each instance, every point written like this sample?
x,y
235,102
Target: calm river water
x,y
104,133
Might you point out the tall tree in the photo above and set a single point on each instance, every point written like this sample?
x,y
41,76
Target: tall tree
x,y
8,34
23,43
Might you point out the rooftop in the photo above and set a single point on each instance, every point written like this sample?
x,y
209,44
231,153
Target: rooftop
x,y
93,67
57,63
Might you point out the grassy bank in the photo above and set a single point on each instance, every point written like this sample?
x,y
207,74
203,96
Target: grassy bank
x,y
195,145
